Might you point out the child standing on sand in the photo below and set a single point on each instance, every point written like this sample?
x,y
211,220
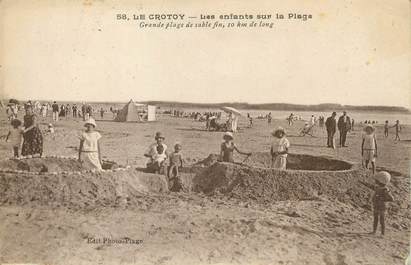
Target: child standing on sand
x,y
175,162
386,126
369,147
381,195
89,149
15,136
397,127
279,149
228,147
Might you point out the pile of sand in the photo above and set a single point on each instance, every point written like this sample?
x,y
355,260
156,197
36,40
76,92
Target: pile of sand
x,y
79,189
46,164
265,185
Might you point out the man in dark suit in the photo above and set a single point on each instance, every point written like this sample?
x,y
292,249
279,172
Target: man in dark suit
x,y
331,125
344,126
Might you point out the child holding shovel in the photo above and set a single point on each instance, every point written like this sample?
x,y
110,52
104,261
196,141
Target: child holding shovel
x,y
279,149
228,147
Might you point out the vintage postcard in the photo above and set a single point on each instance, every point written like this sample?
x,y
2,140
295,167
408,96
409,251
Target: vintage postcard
x,y
205,132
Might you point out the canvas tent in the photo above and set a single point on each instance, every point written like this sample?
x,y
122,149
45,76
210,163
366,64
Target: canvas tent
x,y
133,112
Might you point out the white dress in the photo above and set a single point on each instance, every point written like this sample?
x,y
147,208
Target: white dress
x,y
280,145
90,148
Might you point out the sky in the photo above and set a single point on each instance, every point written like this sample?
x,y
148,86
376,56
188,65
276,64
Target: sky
x,y
351,52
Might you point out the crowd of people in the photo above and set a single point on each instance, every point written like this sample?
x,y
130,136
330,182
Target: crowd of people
x,y
27,135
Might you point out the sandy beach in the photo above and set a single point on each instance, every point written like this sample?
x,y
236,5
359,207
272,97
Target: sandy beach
x,y
195,228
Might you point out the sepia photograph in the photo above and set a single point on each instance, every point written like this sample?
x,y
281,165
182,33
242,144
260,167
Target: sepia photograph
x,y
205,132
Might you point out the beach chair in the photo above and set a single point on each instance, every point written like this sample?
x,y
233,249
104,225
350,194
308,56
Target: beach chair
x,y
307,130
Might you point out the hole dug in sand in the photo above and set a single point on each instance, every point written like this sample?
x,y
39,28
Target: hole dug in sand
x,y
307,177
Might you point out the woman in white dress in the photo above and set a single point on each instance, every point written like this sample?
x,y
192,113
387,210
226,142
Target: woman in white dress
x,y
89,149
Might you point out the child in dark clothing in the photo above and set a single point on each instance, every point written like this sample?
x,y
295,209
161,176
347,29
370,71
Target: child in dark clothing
x,y
386,127
397,127
381,195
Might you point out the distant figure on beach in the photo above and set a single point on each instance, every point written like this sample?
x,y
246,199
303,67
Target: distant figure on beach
x,y
157,153
89,149
279,149
250,121
397,127
344,126
102,113
381,195
321,121
386,127
269,118
43,110
89,111
290,119
369,147
55,108
227,148
15,136
33,138
83,111
74,110
331,126
312,120
352,124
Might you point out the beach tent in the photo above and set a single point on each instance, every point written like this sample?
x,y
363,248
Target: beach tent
x,y
136,112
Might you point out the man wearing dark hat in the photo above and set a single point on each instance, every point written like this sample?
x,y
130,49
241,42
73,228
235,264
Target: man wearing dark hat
x,y
154,152
331,125
344,126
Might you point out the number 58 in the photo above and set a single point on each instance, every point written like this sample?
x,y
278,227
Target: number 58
x,y
121,16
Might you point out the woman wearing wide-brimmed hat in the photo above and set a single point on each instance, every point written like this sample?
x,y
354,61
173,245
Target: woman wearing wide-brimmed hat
x,y
89,150
228,147
33,138
157,153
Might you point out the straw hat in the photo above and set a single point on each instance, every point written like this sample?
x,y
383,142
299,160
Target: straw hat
x,y
159,135
279,129
383,177
228,134
91,121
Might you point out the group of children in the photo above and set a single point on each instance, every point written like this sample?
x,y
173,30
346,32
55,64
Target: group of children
x,y
397,127
158,155
89,150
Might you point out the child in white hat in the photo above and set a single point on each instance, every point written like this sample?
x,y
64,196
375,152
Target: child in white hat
x,y
279,149
89,149
381,195
227,148
369,147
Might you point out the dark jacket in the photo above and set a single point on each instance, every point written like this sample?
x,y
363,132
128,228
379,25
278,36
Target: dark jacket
x,y
344,126
331,124
380,197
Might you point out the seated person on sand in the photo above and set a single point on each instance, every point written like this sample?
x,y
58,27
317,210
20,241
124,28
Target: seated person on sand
x,y
89,149
157,152
228,147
